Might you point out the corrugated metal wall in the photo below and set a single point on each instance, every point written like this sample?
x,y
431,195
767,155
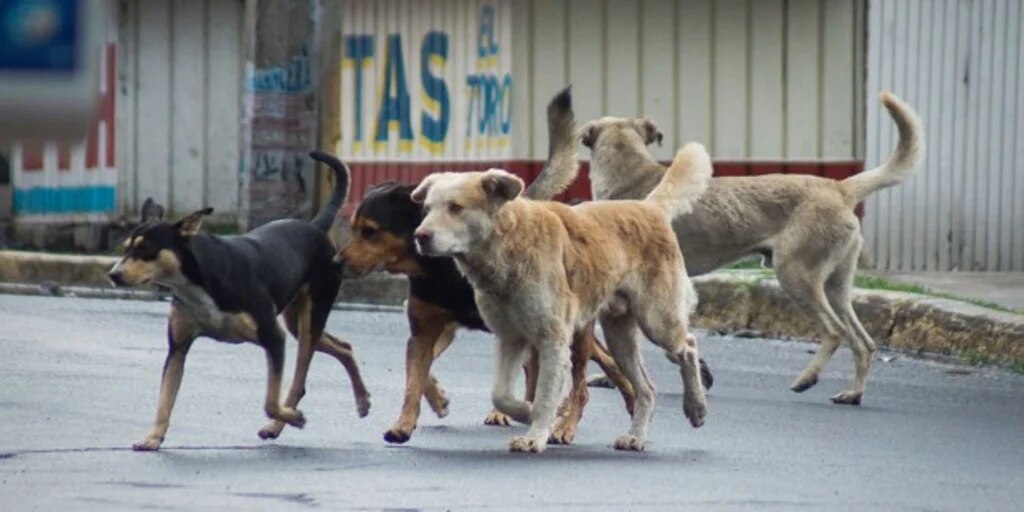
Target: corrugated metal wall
x,y
960,63
763,80
178,104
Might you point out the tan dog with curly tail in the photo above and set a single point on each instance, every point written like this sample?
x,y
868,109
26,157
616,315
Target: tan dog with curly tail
x,y
541,270
803,225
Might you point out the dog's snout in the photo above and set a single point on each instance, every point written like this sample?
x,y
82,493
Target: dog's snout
x,y
116,277
339,259
423,237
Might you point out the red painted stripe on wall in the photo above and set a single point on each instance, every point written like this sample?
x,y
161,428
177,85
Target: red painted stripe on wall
x,y
367,174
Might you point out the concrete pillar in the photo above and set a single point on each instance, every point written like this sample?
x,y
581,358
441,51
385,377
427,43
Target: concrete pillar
x,y
282,46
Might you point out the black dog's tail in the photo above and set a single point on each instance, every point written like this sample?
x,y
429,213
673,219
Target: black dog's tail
x,y
325,218
562,165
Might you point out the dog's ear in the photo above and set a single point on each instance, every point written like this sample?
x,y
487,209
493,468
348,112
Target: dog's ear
x,y
649,131
420,193
501,185
151,211
588,134
189,226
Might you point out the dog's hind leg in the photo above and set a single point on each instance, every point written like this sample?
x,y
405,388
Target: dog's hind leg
x,y
342,351
427,323
180,335
620,332
837,290
806,287
665,323
272,338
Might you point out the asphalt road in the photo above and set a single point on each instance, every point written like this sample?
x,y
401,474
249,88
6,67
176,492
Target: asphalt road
x,y
79,380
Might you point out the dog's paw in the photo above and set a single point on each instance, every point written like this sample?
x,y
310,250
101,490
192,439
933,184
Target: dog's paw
x,y
523,444
803,383
440,406
629,443
293,417
497,418
363,406
271,430
149,444
695,410
847,398
600,381
562,434
398,435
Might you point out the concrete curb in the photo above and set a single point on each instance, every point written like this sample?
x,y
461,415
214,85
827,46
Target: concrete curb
x,y
905,321
736,302
66,269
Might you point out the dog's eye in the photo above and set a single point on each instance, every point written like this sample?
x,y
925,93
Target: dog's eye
x,y
145,250
455,208
367,232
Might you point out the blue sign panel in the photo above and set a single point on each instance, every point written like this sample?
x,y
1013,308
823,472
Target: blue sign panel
x,y
39,35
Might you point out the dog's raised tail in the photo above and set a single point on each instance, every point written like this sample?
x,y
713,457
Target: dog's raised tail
x,y
325,218
903,160
685,181
562,164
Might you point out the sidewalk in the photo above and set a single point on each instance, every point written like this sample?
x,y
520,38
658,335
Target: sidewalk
x,y
1003,288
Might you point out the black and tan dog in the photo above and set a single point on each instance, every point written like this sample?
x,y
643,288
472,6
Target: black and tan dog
x,y
441,300
232,288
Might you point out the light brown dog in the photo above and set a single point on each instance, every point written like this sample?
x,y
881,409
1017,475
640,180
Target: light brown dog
x,y
541,270
441,300
805,225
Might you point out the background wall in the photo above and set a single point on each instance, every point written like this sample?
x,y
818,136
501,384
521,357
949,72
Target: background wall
x,y
764,80
768,85
179,97
960,63
72,182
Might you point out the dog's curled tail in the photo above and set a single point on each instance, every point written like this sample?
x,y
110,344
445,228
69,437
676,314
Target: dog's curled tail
x,y
684,182
904,159
325,218
562,164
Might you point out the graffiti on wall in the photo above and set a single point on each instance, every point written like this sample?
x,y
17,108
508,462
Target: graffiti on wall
x,y
58,181
283,129
438,88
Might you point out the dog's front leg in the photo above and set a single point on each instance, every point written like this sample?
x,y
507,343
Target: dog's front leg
x,y
419,354
530,371
179,340
552,387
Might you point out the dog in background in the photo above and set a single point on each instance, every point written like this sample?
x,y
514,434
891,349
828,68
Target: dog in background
x,y
232,288
441,300
542,270
803,225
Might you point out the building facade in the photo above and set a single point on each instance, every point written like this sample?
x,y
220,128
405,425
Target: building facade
x,y
215,102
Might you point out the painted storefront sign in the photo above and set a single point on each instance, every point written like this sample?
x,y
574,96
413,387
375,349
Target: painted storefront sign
x,y
71,182
423,81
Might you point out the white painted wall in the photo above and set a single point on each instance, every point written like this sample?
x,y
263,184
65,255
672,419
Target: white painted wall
x,y
179,93
760,80
960,63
